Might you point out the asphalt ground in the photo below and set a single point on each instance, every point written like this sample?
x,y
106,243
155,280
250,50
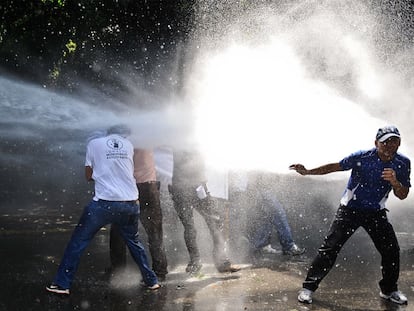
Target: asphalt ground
x,y
32,245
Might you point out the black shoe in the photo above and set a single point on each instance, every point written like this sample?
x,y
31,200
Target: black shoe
x,y
294,251
193,267
228,267
53,288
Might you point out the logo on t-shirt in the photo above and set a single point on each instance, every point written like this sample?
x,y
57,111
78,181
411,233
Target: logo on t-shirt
x,y
116,149
114,143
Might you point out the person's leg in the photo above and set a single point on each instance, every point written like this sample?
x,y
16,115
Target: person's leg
x,y
208,209
117,248
260,225
343,226
280,223
93,218
240,222
128,226
383,235
151,219
259,230
182,199
261,236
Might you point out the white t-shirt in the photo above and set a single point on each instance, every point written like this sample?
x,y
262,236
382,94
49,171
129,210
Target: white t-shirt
x,y
218,183
111,159
163,157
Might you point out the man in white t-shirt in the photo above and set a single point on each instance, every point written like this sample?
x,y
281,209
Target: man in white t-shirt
x,y
109,163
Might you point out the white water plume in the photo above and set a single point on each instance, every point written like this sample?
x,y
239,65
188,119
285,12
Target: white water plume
x,y
269,85
306,83
31,112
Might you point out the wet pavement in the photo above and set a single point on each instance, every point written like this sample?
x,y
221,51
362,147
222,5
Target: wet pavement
x,y
32,245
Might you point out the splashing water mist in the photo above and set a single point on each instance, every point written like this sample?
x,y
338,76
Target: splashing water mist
x,y
307,85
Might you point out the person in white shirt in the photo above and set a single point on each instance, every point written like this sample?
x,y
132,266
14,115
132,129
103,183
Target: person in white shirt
x,y
109,163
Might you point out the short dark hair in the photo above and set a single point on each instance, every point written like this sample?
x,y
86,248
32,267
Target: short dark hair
x,y
120,129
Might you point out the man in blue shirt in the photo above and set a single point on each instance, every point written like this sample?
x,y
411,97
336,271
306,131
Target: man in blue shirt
x,y
375,173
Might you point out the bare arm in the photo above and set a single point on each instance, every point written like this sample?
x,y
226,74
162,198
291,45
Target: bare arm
x,y
321,170
88,173
399,190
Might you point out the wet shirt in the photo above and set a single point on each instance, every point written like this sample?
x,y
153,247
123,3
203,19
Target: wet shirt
x,y
366,188
111,159
144,166
188,169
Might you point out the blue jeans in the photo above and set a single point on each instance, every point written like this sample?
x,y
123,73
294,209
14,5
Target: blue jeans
x,y
96,215
272,217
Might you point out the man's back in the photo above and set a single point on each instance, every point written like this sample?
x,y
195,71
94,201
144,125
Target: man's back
x,y
111,158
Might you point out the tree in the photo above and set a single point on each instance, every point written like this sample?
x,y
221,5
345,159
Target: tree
x,y
62,43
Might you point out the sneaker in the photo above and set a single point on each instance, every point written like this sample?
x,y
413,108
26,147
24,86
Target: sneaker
x,y
294,251
268,249
54,288
154,287
305,295
396,297
193,267
228,267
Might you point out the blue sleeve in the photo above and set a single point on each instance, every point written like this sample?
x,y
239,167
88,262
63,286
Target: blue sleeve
x,y
350,161
405,173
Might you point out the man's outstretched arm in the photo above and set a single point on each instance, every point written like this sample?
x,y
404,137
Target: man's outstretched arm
x,y
321,170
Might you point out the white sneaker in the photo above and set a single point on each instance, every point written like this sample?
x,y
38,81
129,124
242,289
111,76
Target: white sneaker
x,y
54,288
396,297
154,287
268,249
305,295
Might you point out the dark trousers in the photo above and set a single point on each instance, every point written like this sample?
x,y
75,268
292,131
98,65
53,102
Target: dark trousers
x,y
151,219
185,201
346,222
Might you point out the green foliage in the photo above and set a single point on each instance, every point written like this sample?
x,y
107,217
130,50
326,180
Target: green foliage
x,y
60,3
57,68
105,35
71,46
54,74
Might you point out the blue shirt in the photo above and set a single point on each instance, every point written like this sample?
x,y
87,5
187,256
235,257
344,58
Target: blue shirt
x,y
366,188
